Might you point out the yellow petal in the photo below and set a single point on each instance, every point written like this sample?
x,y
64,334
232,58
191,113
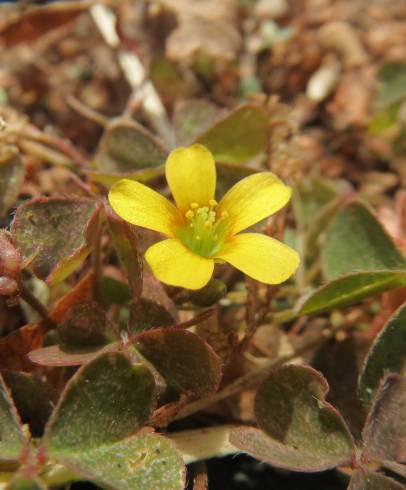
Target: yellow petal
x,y
261,257
174,264
252,199
142,206
191,175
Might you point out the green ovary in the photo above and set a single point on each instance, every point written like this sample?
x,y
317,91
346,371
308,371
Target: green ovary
x,y
204,232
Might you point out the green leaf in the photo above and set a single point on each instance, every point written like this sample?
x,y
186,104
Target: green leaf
x,y
363,479
356,241
192,117
52,234
144,176
113,291
11,177
105,401
184,360
385,429
167,79
127,147
125,244
238,136
387,354
300,430
21,482
32,397
11,435
314,194
350,289
393,89
384,119
230,174
141,462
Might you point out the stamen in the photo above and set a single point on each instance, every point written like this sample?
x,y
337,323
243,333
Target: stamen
x,y
205,231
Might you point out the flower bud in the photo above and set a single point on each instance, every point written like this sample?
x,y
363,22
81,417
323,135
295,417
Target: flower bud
x,y
10,259
8,286
210,294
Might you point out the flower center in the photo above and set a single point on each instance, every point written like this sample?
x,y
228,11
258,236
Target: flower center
x,y
204,231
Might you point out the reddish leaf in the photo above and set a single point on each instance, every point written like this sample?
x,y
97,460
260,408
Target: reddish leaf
x,y
82,291
54,356
14,348
36,22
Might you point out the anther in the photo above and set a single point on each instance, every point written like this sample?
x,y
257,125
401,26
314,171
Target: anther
x,y
194,205
213,203
190,214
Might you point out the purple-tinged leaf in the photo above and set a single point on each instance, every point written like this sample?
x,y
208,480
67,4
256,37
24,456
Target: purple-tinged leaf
x,y
387,354
192,117
385,429
53,234
32,397
85,326
125,244
300,430
183,359
127,147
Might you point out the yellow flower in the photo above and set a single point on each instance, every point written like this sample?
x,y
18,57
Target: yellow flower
x,y
202,231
